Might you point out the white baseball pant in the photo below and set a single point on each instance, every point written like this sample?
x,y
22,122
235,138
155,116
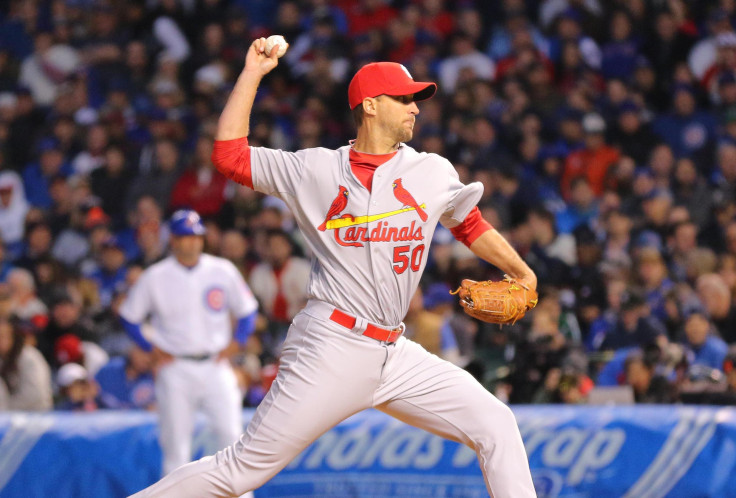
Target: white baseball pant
x,y
327,374
182,388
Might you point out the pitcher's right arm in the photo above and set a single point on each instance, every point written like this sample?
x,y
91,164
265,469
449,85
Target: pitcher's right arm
x,y
234,121
271,171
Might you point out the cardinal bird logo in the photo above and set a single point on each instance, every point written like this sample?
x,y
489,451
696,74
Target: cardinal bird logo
x,y
406,199
336,207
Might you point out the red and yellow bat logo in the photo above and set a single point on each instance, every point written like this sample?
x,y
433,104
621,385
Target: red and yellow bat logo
x,y
355,236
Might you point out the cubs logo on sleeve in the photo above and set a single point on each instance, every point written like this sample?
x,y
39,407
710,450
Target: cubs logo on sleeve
x,y
214,299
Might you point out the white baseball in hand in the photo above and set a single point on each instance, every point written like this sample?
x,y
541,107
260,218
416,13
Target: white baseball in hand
x,y
274,40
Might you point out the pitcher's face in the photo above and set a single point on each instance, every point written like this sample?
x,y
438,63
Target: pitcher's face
x,y
397,115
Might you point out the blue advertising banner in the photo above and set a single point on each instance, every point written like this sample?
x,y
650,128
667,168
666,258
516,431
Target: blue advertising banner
x,y
637,451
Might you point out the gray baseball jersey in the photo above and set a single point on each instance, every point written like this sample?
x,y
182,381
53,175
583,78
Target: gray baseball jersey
x,y
370,247
370,250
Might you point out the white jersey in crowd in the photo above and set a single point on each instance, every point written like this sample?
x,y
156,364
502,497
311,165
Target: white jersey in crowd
x,y
190,308
294,278
370,247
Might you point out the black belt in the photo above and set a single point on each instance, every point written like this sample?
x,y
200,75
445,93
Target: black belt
x,y
196,357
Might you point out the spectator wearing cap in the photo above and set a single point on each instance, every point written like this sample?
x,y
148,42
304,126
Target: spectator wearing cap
x,y
723,66
689,131
704,52
656,284
77,391
37,177
436,301
201,187
569,28
656,207
631,135
63,217
593,161
423,326
701,339
634,326
585,274
13,210
546,178
568,122
24,374
126,382
110,275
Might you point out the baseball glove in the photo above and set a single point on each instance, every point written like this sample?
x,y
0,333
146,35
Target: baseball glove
x,y
501,302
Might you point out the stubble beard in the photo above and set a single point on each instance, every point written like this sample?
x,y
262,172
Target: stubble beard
x,y
404,135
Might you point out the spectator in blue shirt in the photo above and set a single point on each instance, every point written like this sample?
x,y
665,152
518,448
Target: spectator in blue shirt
x,y
619,55
127,382
708,349
110,276
635,326
583,209
688,131
37,177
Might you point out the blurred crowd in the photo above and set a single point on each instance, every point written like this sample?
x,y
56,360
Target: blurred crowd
x,y
604,133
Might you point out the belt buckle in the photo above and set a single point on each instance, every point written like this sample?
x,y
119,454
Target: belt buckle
x,y
395,334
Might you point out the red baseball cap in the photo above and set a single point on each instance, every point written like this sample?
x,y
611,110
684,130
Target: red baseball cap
x,y
386,78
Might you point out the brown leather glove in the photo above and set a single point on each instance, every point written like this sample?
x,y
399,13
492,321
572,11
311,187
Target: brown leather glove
x,y
502,302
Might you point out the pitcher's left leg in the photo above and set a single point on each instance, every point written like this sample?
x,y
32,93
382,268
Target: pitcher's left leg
x,y
427,392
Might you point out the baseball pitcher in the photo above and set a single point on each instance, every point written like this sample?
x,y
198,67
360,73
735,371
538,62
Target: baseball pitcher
x,y
367,211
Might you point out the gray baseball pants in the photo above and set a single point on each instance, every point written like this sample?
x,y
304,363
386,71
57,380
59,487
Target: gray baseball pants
x,y
328,373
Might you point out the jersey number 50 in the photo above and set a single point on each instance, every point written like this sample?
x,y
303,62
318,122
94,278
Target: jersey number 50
x,y
403,260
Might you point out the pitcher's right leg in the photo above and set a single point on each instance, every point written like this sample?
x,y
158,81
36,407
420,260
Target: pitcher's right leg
x,y
326,374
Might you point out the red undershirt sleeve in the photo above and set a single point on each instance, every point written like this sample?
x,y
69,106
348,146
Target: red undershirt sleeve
x,y
472,227
232,159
